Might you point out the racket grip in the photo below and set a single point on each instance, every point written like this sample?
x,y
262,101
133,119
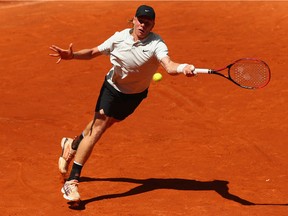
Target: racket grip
x,y
202,70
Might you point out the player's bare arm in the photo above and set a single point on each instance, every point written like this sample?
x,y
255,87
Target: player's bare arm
x,y
86,54
174,68
68,54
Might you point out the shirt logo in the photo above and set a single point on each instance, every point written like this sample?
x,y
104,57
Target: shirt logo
x,y
145,50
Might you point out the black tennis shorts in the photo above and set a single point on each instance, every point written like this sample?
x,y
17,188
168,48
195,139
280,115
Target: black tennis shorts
x,y
117,104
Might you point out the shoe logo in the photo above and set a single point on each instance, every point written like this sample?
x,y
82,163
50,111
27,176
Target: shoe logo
x,y
146,11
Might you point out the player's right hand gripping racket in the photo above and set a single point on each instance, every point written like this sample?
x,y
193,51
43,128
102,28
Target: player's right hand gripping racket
x,y
247,73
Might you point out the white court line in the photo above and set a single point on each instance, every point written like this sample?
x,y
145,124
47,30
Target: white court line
x,y
19,3
11,4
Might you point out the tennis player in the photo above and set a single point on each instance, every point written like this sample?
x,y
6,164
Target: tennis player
x,y
135,55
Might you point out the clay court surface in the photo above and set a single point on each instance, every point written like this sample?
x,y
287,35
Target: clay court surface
x,y
196,146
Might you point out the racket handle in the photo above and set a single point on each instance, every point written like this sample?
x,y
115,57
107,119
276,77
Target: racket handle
x,y
202,70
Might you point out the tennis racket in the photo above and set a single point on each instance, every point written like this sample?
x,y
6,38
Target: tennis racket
x,y
248,73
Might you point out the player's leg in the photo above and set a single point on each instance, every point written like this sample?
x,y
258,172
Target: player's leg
x,y
100,124
112,106
69,147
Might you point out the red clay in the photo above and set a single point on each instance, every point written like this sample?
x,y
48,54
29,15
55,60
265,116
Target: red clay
x,y
196,146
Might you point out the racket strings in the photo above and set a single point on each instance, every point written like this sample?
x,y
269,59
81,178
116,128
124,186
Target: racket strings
x,y
250,74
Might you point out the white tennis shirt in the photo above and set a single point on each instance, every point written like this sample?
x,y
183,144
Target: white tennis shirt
x,y
134,62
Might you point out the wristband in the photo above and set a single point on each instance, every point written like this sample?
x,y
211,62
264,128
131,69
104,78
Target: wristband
x,y
181,67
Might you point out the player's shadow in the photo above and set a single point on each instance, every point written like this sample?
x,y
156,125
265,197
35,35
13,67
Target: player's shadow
x,y
146,185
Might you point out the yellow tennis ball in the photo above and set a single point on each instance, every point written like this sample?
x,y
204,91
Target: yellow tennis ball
x,y
157,77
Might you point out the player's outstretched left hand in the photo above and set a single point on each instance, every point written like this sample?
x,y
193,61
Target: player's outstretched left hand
x,y
62,53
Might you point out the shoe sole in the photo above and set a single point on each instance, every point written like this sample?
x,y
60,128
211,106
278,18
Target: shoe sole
x,y
62,162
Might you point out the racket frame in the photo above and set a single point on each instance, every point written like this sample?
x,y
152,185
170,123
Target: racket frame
x,y
217,72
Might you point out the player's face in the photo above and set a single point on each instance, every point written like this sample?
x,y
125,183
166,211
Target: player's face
x,y
142,26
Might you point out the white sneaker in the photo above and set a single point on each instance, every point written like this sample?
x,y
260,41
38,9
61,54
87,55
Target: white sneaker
x,y
70,190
